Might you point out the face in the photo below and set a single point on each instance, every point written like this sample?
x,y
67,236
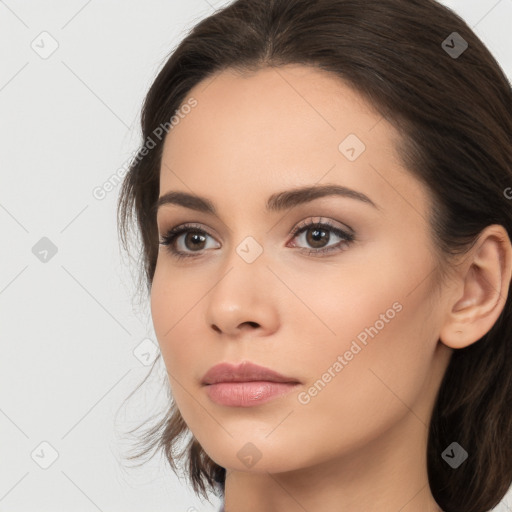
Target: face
x,y
334,292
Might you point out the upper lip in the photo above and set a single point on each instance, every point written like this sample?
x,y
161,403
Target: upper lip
x,y
243,372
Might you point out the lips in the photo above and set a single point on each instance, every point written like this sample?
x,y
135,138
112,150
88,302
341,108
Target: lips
x,y
243,372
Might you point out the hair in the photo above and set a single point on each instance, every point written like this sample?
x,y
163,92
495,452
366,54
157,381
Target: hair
x,y
454,117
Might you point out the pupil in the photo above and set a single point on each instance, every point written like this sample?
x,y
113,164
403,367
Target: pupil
x,y
197,237
317,235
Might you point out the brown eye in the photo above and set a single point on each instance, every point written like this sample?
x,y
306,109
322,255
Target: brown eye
x,y
194,240
317,237
191,241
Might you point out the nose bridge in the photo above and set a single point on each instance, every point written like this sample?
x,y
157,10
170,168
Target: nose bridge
x,y
245,250
247,238
250,250
240,294
243,260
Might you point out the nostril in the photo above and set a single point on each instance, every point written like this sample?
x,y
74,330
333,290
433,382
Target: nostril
x,y
252,324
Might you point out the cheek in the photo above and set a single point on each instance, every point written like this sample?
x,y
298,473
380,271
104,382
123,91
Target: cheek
x,y
339,306
385,348
172,302
377,355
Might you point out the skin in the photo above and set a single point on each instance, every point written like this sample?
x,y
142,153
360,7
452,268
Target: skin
x,y
360,443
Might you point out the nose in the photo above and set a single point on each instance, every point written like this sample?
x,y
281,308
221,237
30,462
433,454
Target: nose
x,y
243,299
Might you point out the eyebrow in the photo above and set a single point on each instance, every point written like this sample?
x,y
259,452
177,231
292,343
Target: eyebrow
x,y
276,202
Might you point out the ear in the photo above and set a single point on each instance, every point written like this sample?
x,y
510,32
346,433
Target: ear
x,y
480,289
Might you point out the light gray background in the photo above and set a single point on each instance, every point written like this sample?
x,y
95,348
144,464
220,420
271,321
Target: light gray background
x,y
70,331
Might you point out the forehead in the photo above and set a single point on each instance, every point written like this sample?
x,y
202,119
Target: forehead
x,y
280,107
282,127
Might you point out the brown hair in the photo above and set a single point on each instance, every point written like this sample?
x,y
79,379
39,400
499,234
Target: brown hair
x,y
454,113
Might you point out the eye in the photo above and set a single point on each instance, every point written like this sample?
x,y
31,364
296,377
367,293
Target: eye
x,y
194,238
316,234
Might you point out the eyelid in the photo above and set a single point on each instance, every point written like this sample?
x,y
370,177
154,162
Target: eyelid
x,y
322,220
293,231
347,237
182,228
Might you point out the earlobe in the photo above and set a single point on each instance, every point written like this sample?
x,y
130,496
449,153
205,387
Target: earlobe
x,y
482,289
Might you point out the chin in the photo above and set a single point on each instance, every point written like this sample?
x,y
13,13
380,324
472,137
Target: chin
x,y
255,455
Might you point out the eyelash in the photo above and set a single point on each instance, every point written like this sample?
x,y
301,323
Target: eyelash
x,y
170,237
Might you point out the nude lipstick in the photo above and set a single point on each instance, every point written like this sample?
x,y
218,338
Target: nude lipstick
x,y
245,384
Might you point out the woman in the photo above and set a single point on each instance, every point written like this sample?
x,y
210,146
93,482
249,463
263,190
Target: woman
x,y
322,192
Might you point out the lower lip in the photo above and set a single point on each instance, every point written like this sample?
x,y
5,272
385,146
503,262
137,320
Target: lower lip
x,y
247,394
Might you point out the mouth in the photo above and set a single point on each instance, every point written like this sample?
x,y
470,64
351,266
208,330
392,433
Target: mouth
x,y
247,394
244,372
245,384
